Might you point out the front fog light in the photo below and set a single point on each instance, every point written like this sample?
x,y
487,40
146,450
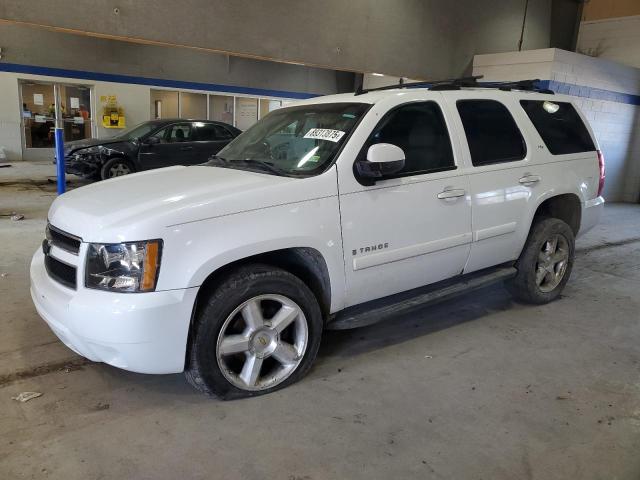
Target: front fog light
x,y
123,267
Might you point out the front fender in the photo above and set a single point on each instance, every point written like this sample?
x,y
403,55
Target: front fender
x,y
195,250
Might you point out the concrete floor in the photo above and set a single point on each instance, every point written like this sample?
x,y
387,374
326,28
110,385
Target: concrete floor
x,y
475,388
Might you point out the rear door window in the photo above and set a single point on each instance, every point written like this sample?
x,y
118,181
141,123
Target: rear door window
x,y
210,132
559,125
491,131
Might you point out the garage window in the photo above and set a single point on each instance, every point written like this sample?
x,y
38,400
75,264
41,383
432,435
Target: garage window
x,y
492,133
559,125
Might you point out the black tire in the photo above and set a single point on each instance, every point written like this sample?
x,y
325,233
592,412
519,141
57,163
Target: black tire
x,y
110,166
524,286
202,368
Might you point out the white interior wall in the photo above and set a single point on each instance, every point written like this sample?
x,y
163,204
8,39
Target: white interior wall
x,y
10,136
593,83
616,39
133,98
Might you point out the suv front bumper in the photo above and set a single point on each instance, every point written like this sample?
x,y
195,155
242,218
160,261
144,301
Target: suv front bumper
x,y
140,332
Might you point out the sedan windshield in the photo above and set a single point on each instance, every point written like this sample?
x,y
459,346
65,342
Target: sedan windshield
x,y
293,141
137,131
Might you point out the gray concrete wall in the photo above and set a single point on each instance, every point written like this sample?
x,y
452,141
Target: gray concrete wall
x,y
36,46
413,38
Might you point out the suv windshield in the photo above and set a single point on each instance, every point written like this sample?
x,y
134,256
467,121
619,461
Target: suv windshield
x,y
138,131
293,141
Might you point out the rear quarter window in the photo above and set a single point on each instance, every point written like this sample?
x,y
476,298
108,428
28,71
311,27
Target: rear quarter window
x,y
559,126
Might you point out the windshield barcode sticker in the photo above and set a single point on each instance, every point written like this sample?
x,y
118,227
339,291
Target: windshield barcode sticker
x,y
325,134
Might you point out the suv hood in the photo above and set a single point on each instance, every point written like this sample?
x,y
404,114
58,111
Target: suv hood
x,y
142,205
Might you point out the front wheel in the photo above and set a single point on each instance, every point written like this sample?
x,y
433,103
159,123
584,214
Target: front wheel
x,y
545,263
116,167
259,331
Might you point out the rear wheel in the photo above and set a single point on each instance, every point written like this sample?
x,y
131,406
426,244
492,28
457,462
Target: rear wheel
x,y
259,331
545,263
116,167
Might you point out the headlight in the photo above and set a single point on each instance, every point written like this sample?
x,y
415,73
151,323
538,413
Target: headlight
x,y
123,267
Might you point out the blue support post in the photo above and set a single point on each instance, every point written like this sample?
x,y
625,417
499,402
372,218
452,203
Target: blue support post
x,y
60,160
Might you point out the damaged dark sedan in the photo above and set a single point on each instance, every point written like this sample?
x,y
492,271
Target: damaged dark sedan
x,y
153,144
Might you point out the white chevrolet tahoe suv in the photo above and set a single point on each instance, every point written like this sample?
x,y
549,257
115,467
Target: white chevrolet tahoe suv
x,y
337,212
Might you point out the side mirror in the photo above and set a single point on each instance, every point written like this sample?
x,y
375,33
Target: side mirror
x,y
382,159
152,141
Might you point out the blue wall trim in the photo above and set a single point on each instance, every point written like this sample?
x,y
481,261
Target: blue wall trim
x,y
154,82
558,87
590,92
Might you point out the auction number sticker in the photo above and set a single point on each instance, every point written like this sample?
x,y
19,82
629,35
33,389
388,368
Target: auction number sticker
x,y
325,134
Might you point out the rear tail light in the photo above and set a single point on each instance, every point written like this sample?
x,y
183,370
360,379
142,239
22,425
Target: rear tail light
x,y
602,174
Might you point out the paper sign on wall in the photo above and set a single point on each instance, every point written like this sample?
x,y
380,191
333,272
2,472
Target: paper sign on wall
x,y
325,134
75,102
38,99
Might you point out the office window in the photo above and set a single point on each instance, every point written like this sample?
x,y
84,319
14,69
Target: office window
x,y
559,125
492,133
420,131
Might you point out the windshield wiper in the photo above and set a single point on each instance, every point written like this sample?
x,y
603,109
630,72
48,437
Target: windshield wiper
x,y
217,159
270,167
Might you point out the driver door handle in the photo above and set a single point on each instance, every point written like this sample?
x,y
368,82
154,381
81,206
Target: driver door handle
x,y
529,179
451,193
186,148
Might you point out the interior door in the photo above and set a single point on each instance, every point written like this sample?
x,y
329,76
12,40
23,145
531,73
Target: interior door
x,y
172,145
413,228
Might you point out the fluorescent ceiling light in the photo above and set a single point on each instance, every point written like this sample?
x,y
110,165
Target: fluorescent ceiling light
x,y
377,74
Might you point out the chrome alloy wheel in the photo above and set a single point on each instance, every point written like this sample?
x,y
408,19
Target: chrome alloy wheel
x,y
262,342
118,170
552,263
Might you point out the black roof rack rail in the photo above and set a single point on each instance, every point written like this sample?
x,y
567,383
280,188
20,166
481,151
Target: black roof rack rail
x,y
458,83
463,81
526,85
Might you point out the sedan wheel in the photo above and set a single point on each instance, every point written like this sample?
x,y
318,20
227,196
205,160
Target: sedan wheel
x,y
118,170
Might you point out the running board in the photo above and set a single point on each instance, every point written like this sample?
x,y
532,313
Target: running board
x,y
377,310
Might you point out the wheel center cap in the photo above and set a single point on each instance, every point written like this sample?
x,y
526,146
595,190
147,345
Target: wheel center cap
x,y
263,342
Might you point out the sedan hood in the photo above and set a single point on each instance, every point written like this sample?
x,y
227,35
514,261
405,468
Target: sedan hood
x,y
70,147
142,205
